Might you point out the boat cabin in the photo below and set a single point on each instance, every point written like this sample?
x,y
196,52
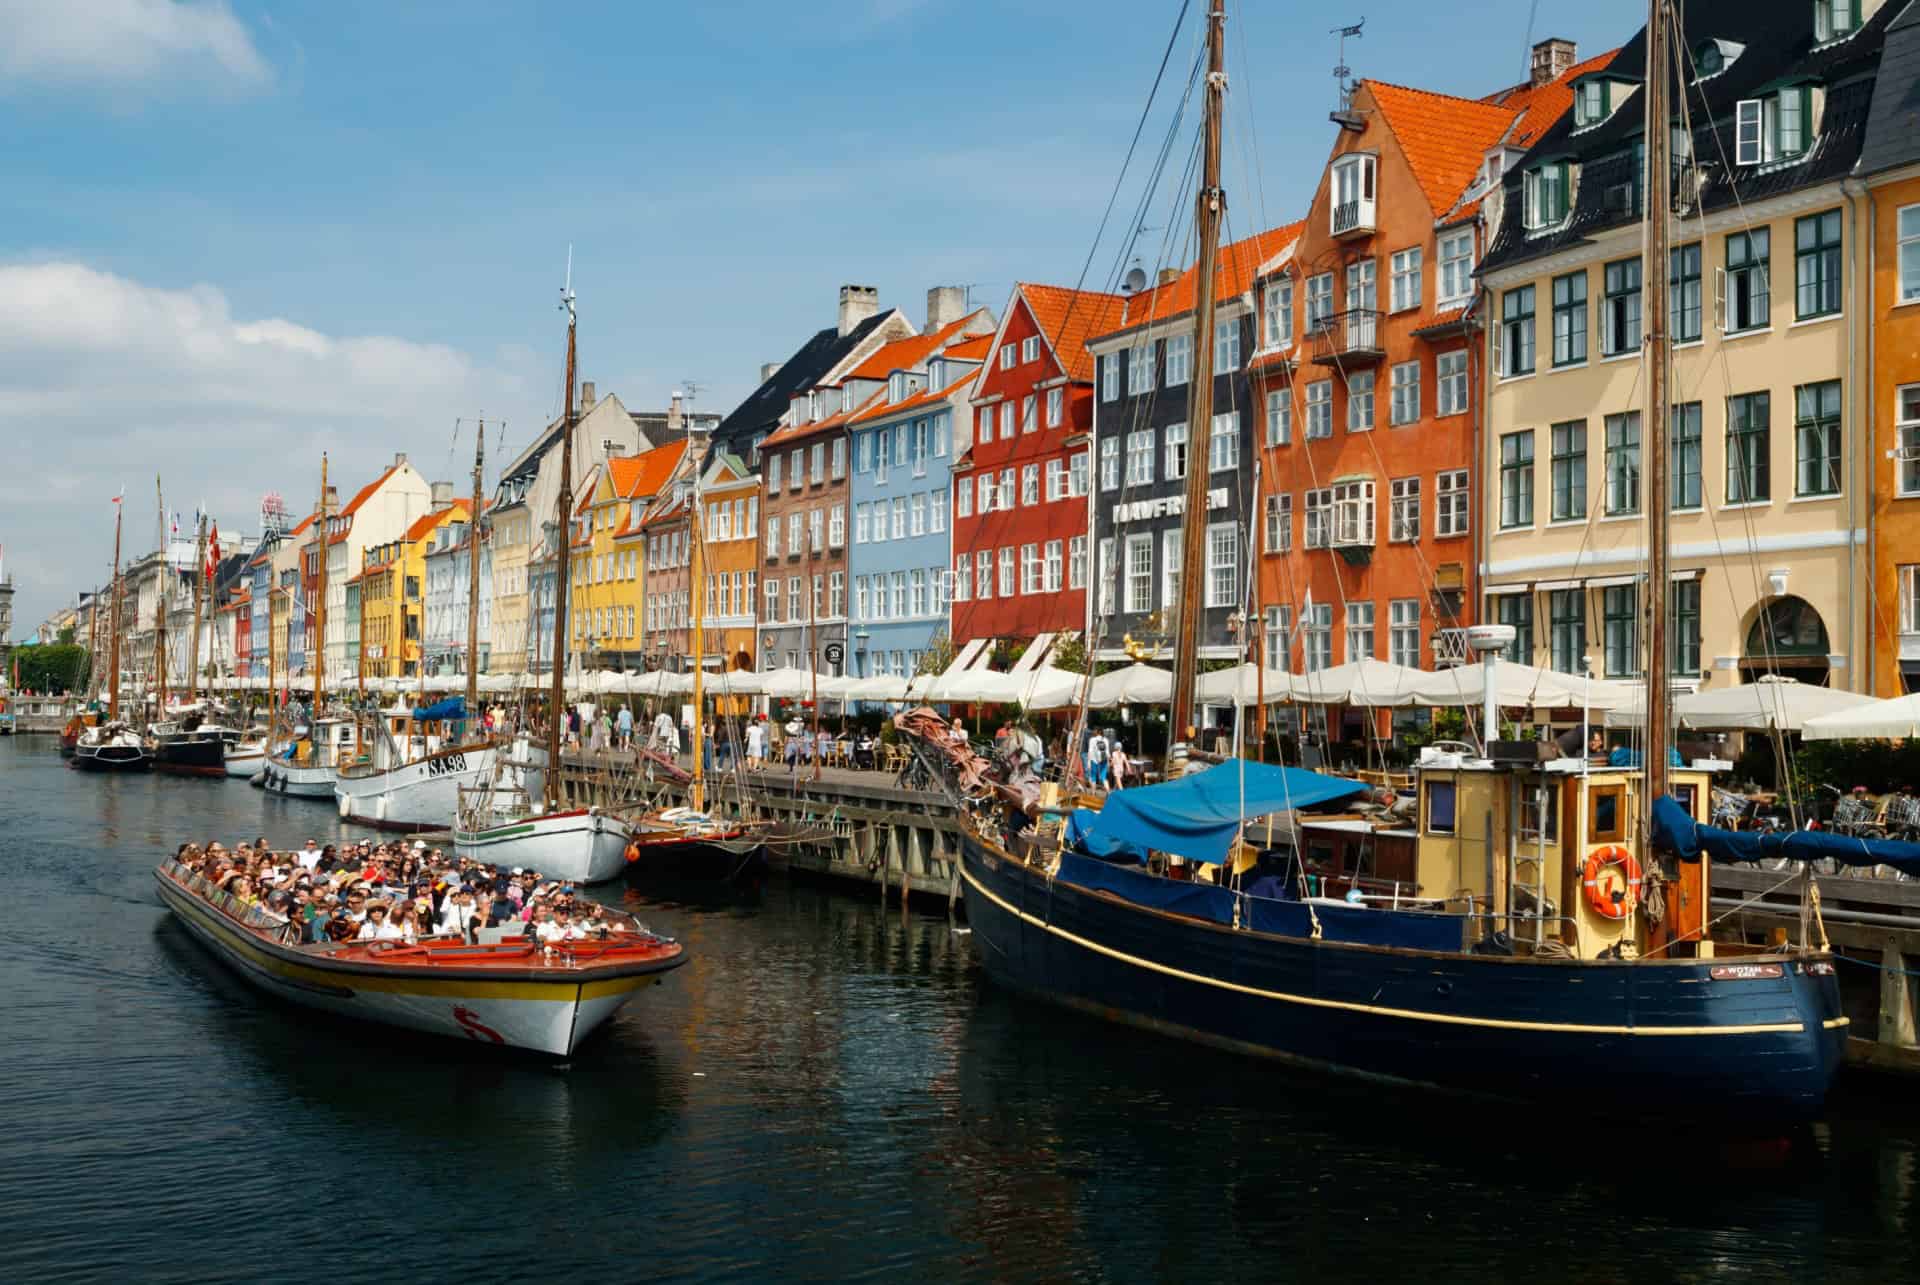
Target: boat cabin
x,y
329,742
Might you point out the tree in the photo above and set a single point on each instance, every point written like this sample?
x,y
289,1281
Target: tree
x,y
51,667
937,657
1070,654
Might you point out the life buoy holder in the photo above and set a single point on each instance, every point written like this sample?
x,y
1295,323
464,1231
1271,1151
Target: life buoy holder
x,y
1605,900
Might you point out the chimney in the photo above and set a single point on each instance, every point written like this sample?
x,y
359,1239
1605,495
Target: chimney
x,y
768,369
676,421
945,305
399,459
586,395
1551,59
1167,276
442,496
333,501
857,303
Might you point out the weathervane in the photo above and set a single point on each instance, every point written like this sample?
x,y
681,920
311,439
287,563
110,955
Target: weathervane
x,y
1342,73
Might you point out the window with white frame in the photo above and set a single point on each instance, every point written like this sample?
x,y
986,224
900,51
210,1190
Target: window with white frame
x,y
1175,436
816,529
773,472
986,424
1223,564
1906,413
1029,413
1406,279
1173,549
989,492
818,455
837,468
1009,354
963,578
1353,192
1140,369
936,511
917,591
1226,346
1406,392
1110,377
1353,513
1450,503
1140,457
1279,416
1030,348
962,498
917,514
1053,567
1006,421
1030,484
793,598
794,535
1319,301
1316,622
1056,479
1359,631
1450,380
1318,532
1909,252
1006,571
1835,18
1279,523
1056,406
1403,514
1403,632
883,453
1006,488
1320,409
1108,570
922,445
1276,636
1910,599
1223,443
1277,312
836,526
837,593
1110,463
983,573
1077,562
1456,267
771,611
1360,401
1077,474
1139,574
1180,358
1548,189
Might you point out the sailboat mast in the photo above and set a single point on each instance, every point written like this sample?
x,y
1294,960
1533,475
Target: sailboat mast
x,y
320,602
1210,206
1659,140
199,588
473,573
561,560
160,606
697,789
113,621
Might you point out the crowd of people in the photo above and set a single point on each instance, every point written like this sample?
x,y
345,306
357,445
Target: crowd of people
x,y
399,892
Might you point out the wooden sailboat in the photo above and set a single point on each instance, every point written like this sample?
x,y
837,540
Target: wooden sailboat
x,y
306,763
113,746
192,741
1505,942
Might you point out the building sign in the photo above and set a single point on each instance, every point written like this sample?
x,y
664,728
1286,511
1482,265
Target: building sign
x,y
834,652
1167,506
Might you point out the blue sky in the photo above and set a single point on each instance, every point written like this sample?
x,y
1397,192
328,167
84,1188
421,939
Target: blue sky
x,y
231,234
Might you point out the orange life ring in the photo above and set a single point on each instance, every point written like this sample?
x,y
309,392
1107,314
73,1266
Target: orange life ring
x,y
632,854
1603,899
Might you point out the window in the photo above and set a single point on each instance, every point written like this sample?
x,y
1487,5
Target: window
x,y
1319,301
1279,416
1403,516
1406,392
1516,331
983,573
1589,102
1140,457
773,538
1006,571
1906,416
1816,435
1052,568
1440,806
1516,479
1223,564
1353,517
1077,474
917,589
1405,279
936,511
1029,413
1320,409
838,468
1545,191
1056,479
1172,554
793,598
1030,484
1360,401
1683,297
1140,369
772,611
1620,318
836,526
1107,570
1450,376
1077,562
1623,462
816,528
940,435
883,448
1570,319
1362,301
1226,346
1030,348
962,498
1567,630
1279,623
1008,356
1816,265
1277,314
1179,360
1352,205
921,446
1746,301
1567,470
1176,445
1909,256
986,424
1359,631
1006,489
1748,446
1516,610
1317,621
1685,456
1223,444
1056,406
1279,523
1403,636
1450,494
1683,640
1456,267
1110,377
861,610
1139,585
818,457
773,472
1006,421
1319,519
1110,464
917,515
794,520
1619,631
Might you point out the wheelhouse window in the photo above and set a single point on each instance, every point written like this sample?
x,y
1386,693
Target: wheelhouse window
x,y
1441,805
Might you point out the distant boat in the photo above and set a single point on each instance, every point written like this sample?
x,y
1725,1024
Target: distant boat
x,y
246,758
191,745
111,747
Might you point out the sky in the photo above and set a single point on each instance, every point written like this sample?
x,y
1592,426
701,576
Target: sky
x,y
234,234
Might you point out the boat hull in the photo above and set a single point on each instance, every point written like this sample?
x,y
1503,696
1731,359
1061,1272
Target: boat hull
x,y
1694,1037
575,847
244,763
425,794
714,862
295,781
550,1015
191,754
111,758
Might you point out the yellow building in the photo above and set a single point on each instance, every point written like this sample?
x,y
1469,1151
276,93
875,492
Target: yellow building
x,y
605,598
1768,500
391,596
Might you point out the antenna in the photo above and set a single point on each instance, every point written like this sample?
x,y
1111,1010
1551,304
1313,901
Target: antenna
x,y
1343,116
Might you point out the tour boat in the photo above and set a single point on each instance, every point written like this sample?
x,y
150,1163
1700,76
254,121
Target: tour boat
x,y
504,992
111,747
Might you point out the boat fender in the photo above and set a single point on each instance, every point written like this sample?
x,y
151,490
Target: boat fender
x,y
1612,903
345,803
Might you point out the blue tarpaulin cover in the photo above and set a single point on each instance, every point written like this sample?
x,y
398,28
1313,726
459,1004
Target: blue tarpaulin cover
x,y
453,707
1675,831
1197,816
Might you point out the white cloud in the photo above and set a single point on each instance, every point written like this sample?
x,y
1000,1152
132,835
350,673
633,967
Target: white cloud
x,y
106,381
156,45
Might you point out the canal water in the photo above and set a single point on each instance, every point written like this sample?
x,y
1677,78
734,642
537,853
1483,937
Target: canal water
x,y
829,1089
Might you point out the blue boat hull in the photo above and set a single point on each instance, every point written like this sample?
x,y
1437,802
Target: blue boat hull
x,y
1689,1037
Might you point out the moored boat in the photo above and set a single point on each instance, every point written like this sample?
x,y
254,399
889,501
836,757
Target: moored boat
x,y
502,826
308,765
506,993
682,845
111,747
190,746
246,758
76,727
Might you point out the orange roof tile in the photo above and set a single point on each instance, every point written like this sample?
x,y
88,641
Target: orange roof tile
x,y
924,397
1069,318
1239,263
797,432
905,354
974,349
1539,106
1443,138
365,493
305,522
432,518
637,476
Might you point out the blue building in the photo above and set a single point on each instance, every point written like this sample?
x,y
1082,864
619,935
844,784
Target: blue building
x,y
901,552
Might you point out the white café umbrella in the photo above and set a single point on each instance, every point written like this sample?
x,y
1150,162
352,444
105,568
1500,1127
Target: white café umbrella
x,y
1772,702
1134,684
1521,686
1243,685
793,684
1894,720
880,687
1369,682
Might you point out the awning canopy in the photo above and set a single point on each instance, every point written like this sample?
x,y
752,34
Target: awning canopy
x,y
1893,720
1197,816
1771,702
1360,682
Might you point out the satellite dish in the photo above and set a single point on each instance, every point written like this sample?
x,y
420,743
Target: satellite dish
x,y
1135,281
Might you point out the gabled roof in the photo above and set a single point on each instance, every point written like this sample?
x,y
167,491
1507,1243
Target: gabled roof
x,y
905,354
1068,318
1893,125
807,367
365,493
925,397
426,522
638,476
1238,265
974,349
839,419
1541,105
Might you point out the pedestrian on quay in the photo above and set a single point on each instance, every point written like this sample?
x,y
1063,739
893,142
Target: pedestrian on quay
x,y
1119,763
625,725
1097,760
757,742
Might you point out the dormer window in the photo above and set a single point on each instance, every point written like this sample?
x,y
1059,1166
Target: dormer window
x,y
1589,103
813,407
1835,18
936,374
846,398
1353,194
1548,188
1715,56
896,386
1778,127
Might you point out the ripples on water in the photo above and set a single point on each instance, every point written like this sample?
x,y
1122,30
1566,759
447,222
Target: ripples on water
x,y
827,1090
